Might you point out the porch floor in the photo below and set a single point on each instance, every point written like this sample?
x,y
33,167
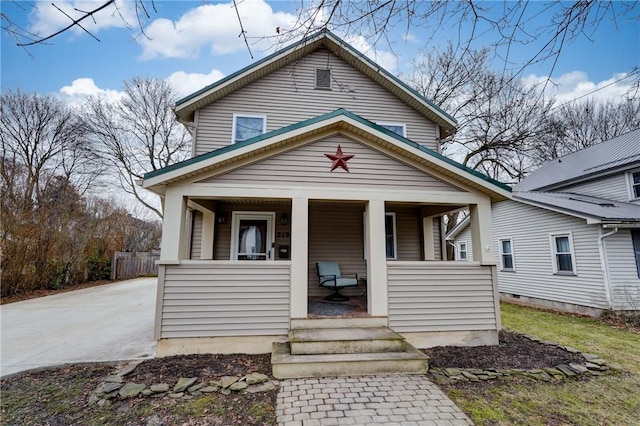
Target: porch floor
x,y
356,307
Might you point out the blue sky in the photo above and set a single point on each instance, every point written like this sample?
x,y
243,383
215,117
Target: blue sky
x,y
193,43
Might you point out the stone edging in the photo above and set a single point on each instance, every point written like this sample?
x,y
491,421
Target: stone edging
x,y
116,387
593,366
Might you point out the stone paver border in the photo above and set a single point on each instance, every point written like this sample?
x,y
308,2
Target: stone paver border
x,y
368,400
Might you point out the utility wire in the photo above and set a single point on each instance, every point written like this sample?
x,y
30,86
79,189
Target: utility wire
x,y
629,74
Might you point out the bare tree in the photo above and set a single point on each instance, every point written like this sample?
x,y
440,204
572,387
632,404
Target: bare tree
x,y
44,136
577,125
498,25
499,118
139,133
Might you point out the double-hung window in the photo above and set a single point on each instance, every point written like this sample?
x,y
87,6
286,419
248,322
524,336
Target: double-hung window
x,y
635,237
506,255
463,251
564,261
634,184
397,128
246,126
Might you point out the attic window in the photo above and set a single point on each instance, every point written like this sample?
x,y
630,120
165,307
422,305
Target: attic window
x,y
323,79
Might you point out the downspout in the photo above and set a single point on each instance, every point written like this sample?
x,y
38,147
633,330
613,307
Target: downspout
x,y
604,264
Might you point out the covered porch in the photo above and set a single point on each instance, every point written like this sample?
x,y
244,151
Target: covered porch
x,y
213,294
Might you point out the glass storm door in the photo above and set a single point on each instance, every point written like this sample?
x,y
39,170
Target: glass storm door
x,y
252,236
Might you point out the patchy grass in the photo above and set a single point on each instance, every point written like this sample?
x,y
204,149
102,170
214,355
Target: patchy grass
x,y
59,396
607,400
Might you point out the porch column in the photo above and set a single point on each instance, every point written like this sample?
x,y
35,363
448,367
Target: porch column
x,y
428,238
376,258
173,225
299,257
481,233
208,221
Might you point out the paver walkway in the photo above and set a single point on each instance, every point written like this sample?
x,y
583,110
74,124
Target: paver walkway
x,y
371,400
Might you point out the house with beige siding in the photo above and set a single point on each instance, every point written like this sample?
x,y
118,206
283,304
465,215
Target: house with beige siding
x,y
316,154
570,237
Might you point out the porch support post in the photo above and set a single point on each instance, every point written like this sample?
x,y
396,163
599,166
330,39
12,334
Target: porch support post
x,y
428,238
481,233
299,257
173,226
376,259
208,221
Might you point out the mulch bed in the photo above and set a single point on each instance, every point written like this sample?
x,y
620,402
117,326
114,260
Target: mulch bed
x,y
48,292
514,351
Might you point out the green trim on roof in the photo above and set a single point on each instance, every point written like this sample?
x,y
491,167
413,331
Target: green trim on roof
x,y
302,124
305,40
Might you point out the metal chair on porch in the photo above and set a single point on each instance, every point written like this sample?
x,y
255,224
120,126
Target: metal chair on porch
x,y
331,277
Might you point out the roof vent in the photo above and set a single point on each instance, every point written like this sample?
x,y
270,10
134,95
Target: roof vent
x,y
323,79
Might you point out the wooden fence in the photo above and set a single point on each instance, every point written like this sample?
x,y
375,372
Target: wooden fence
x,y
132,265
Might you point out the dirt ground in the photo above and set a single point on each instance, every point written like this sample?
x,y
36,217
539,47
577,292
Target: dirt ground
x,y
60,396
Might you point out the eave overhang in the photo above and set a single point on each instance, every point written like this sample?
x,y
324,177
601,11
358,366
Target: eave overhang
x,y
186,107
339,121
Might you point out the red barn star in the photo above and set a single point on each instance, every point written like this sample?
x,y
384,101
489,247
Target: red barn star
x,y
339,159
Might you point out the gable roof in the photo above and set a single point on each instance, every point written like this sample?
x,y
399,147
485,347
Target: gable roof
x,y
612,155
593,209
458,228
340,119
186,106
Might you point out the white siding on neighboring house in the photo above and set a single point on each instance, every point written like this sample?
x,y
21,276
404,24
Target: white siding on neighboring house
x,y
623,272
464,236
612,187
440,296
308,166
210,299
288,96
530,227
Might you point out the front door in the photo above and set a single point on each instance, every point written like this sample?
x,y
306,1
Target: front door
x,y
252,237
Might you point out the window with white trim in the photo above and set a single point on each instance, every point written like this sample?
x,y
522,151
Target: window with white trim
x,y
463,251
634,184
397,128
635,237
506,255
247,126
390,236
564,259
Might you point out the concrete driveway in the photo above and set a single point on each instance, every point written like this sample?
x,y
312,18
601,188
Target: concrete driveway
x,y
106,323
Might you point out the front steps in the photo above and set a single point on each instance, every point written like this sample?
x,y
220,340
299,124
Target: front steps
x,y
345,347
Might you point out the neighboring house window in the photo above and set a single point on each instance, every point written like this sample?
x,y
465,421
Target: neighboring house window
x,y
400,129
634,178
563,255
635,236
389,236
248,126
323,79
506,255
462,250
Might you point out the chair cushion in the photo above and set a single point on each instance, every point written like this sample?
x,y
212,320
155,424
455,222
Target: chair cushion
x,y
329,268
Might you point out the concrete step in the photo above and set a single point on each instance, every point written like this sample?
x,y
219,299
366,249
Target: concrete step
x,y
288,366
344,340
361,322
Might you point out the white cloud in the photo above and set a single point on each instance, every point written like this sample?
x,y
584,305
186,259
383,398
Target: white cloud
x,y
186,83
216,26
384,58
576,84
46,19
80,88
409,37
